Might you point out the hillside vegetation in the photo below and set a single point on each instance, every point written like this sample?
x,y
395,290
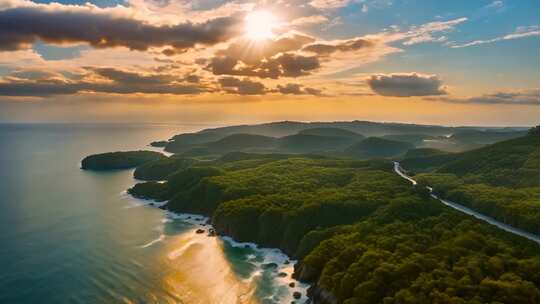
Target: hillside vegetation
x,y
119,160
374,147
330,138
308,143
501,180
362,233
332,132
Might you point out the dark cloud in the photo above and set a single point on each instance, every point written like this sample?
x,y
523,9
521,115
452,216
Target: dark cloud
x,y
313,91
132,78
325,49
193,78
526,97
31,83
264,49
32,74
20,27
297,89
117,82
38,88
290,88
296,65
406,85
283,65
273,58
242,86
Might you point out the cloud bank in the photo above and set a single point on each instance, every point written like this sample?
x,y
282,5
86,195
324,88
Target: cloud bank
x,y
406,85
23,26
524,97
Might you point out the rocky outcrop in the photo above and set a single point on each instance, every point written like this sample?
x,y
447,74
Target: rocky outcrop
x,y
319,295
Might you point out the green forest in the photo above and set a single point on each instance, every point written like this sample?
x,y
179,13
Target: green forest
x,y
328,197
362,233
501,180
356,139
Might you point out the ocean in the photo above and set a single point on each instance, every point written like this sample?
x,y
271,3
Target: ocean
x,y
74,236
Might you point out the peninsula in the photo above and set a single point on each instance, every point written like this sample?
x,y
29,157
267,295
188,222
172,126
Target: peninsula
x,y
361,233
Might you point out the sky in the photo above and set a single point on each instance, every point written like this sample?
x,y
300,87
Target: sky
x,y
461,62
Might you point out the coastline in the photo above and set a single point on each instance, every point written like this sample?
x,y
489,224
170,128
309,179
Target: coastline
x,y
282,266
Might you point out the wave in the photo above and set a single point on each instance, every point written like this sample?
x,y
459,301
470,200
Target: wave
x,y
283,285
134,202
152,242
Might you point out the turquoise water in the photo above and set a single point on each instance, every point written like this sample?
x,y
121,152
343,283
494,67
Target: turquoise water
x,y
73,236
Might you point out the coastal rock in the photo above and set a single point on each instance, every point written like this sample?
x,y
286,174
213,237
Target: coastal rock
x,y
160,144
305,273
269,266
321,296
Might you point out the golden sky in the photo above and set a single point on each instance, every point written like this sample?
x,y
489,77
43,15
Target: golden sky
x,y
458,63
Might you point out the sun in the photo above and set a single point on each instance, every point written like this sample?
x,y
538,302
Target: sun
x,y
260,25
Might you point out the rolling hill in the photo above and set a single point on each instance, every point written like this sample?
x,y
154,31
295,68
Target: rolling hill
x,y
374,147
501,180
306,143
332,132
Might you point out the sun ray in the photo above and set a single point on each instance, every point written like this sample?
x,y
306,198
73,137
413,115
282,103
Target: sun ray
x,y
260,25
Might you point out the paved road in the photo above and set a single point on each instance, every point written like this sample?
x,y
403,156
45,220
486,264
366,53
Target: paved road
x,y
492,221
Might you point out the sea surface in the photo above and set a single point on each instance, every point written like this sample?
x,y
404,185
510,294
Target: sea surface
x,y
74,236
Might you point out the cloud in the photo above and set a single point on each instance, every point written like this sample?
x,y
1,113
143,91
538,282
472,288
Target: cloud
x,y
425,38
98,80
329,4
20,27
242,86
245,50
310,20
133,78
524,97
424,33
327,48
406,85
32,74
521,32
497,4
294,54
297,89
192,78
284,65
296,65
34,83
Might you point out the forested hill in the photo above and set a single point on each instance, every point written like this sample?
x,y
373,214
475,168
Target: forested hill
x,y
362,233
515,162
501,180
332,138
366,128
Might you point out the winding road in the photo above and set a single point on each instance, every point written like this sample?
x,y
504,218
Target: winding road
x,y
492,221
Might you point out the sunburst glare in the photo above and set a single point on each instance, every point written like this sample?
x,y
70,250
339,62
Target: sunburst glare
x,y
260,25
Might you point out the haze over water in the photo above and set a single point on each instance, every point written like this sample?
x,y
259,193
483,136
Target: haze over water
x,y
73,236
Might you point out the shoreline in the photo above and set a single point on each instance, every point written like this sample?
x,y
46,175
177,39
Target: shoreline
x,y
282,263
